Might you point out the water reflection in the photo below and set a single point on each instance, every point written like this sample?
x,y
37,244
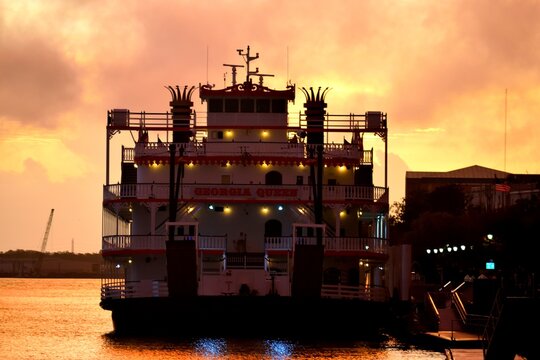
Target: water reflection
x,y
61,319
210,347
279,349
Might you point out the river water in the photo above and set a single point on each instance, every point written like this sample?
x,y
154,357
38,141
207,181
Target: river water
x,y
61,319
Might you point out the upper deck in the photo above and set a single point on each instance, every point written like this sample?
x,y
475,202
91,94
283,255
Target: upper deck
x,y
124,119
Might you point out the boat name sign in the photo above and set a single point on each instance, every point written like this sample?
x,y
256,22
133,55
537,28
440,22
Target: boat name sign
x,y
246,192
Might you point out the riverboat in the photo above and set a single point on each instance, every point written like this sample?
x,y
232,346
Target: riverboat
x,y
244,218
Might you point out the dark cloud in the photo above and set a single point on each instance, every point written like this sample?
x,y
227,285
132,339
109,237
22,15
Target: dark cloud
x,y
36,81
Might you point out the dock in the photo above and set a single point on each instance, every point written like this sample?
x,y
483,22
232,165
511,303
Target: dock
x,y
458,345
464,354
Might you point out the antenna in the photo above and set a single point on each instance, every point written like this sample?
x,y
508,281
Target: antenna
x,y
233,71
261,78
505,113
248,59
207,64
287,80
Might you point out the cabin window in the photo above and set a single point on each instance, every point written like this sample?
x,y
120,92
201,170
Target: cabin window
x,y
263,105
247,105
216,134
299,180
332,182
225,179
231,105
273,178
215,105
279,106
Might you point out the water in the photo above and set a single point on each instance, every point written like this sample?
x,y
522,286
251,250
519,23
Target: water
x,y
61,319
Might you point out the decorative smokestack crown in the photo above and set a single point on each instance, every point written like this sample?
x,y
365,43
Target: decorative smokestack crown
x,y
181,98
314,100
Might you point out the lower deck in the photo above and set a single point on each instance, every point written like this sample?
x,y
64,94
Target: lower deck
x,y
247,316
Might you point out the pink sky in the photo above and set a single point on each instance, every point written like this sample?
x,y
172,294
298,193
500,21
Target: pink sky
x,y
439,69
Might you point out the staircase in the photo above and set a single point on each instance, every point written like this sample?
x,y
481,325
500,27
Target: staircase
x,y
451,312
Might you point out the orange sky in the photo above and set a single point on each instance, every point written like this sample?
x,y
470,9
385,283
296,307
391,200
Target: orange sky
x,y
439,69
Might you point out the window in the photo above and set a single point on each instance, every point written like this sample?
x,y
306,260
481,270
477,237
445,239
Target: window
x,y
263,105
225,179
247,105
299,180
231,105
279,106
215,105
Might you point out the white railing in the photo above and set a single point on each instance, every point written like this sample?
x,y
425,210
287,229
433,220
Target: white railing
x,y
368,244
157,242
138,242
240,192
119,289
373,293
246,149
335,244
213,243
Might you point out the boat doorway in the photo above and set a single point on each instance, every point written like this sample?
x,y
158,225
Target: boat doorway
x,y
273,178
272,228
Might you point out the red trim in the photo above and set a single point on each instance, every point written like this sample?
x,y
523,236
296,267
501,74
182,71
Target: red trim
x,y
239,160
120,252
211,251
247,201
277,252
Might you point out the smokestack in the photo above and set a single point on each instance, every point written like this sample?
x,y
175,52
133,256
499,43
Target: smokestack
x,y
181,112
315,111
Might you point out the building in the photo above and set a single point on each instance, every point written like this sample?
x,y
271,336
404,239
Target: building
x,y
485,188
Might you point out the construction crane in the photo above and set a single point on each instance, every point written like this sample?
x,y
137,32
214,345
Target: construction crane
x,y
44,243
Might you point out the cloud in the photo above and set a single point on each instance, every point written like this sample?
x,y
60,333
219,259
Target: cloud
x,y
36,82
21,144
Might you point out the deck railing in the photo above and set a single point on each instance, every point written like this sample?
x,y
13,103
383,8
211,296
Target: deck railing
x,y
277,243
246,150
157,242
371,293
119,289
243,192
162,121
334,244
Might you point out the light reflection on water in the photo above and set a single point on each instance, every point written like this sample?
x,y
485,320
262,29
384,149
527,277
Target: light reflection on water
x,y
61,319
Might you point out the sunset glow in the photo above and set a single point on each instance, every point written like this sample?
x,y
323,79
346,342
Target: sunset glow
x,y
459,81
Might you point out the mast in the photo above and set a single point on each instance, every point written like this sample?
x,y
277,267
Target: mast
x,y
248,58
